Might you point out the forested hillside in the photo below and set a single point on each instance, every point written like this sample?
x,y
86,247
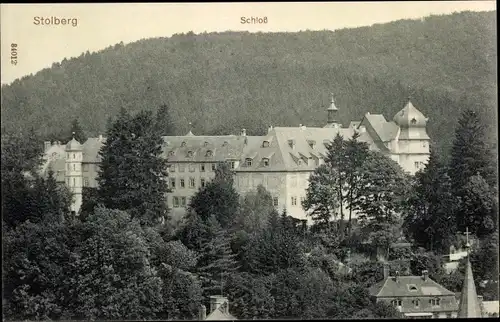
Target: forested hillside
x,y
222,82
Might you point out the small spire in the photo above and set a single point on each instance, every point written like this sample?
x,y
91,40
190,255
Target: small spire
x,y
467,244
73,134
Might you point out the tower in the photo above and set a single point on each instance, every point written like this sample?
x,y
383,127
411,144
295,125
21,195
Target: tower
x,y
74,156
469,303
413,141
332,114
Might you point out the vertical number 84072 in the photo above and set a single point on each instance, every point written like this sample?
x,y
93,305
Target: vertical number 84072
x,y
13,54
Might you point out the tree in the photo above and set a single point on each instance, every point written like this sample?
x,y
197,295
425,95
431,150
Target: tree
x,y
382,190
431,207
133,172
470,154
116,278
256,207
76,132
218,198
321,198
216,258
164,121
427,261
478,207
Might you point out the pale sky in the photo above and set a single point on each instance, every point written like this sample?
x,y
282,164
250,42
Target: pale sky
x,y
101,25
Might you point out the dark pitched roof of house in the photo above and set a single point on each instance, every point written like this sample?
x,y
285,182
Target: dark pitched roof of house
x,y
408,286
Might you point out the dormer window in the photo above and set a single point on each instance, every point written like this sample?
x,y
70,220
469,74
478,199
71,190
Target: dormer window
x,y
265,144
209,153
171,153
205,144
225,143
435,302
248,162
416,303
397,302
183,144
291,143
412,287
190,154
413,121
312,144
265,161
299,162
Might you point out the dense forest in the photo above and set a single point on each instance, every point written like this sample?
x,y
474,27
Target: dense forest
x,y
222,82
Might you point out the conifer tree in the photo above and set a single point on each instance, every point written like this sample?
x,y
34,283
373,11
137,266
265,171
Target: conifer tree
x,y
431,207
164,121
470,154
133,173
77,132
216,258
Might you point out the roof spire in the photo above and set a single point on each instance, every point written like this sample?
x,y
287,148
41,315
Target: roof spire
x,y
469,303
190,132
332,112
73,134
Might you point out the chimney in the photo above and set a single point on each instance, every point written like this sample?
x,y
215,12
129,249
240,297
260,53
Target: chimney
x,y
219,301
100,137
46,145
386,271
202,313
425,274
270,129
243,132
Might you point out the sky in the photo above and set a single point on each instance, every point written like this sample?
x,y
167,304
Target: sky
x,y
98,26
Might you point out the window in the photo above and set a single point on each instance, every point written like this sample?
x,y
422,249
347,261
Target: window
x,y
248,162
176,202
416,303
417,165
192,168
182,184
396,302
192,183
172,183
85,182
74,182
190,154
266,162
312,144
209,153
74,157
302,199
205,144
294,201
172,168
183,201
265,144
171,153
74,167
424,144
214,166
435,302
275,201
202,182
233,164
183,144
202,167
413,121
412,287
299,162
225,143
182,167
67,155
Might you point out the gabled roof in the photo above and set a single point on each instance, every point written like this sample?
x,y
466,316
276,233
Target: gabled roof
x,y
219,314
389,287
386,131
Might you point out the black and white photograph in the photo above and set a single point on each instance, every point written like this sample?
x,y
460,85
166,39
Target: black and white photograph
x,y
249,161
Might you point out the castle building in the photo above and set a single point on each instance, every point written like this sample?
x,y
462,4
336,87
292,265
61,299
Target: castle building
x,y
281,161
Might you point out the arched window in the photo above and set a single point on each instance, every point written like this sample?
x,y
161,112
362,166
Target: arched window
x,y
413,121
183,144
248,162
205,144
190,154
265,144
209,153
171,153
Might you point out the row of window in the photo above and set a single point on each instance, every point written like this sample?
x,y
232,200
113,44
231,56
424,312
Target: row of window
x,y
179,202
416,302
182,183
181,167
419,165
72,183
294,200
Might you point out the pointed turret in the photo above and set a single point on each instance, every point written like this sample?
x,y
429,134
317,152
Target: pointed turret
x,y
469,303
332,112
190,133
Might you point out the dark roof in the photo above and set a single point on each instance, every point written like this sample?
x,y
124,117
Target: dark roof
x,y
389,287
